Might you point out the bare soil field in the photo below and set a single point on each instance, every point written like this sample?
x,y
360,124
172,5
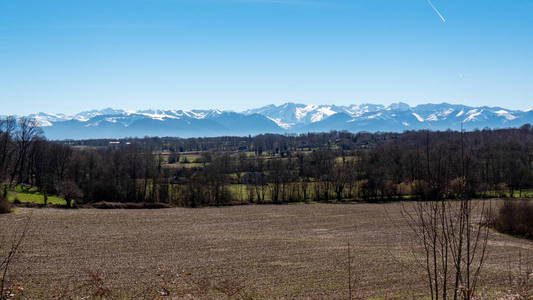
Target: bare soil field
x,y
289,251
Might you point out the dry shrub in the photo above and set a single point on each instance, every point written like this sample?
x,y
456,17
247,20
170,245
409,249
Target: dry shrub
x,y
14,291
458,186
36,205
93,287
60,292
128,205
96,287
420,188
515,217
177,285
5,206
404,188
501,188
389,188
361,185
167,281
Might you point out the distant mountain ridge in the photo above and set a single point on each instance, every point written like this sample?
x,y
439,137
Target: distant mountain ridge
x,y
286,118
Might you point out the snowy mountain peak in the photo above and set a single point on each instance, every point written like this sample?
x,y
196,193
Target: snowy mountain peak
x,y
399,106
289,117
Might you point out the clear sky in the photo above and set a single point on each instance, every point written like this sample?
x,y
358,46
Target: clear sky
x,y
73,55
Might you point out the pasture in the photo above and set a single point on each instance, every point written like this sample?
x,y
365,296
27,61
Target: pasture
x,y
33,195
283,251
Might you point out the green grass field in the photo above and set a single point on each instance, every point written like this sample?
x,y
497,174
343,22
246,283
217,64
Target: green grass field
x,y
515,194
26,194
242,192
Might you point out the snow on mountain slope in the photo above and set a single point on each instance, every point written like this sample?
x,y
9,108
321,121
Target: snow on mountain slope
x,y
505,114
291,114
286,118
418,117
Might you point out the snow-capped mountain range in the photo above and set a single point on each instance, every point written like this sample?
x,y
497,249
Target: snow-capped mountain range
x,y
286,118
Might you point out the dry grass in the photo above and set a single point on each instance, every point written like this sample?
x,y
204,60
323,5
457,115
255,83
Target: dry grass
x,y
288,251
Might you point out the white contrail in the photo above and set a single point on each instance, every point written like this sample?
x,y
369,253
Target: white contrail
x,y
436,10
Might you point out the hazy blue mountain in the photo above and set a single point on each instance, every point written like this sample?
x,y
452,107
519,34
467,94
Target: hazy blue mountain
x,y
286,118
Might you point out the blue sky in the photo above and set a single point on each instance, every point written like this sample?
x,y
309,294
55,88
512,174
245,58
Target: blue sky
x,y
73,55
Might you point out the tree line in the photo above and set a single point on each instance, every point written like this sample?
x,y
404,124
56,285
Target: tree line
x,y
321,167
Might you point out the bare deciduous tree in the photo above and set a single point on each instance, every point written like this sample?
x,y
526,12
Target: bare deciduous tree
x,y
454,237
9,250
7,127
28,130
69,190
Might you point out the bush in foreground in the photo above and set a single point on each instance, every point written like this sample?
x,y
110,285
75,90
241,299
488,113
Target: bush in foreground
x,y
515,217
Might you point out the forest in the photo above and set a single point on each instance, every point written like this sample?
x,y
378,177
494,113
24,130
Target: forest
x,y
270,168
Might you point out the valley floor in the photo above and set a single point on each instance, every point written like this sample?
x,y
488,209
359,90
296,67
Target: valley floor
x,y
288,251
